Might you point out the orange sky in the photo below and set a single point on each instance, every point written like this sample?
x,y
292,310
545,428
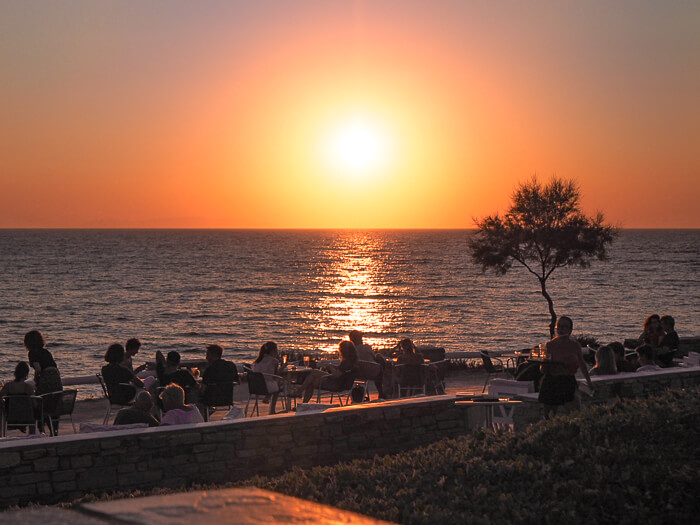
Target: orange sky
x,y
216,114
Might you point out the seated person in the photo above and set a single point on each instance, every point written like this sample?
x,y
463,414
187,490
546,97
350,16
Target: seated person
x,y
176,411
669,342
364,352
267,363
604,362
140,412
18,386
218,378
646,359
652,333
621,362
337,378
408,355
121,382
169,371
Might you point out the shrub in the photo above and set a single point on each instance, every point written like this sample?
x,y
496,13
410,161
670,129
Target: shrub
x,y
630,462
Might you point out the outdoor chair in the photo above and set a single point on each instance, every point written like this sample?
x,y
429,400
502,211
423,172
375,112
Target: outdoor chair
x,y
114,402
366,371
57,404
347,380
21,412
257,389
492,369
411,379
217,396
437,370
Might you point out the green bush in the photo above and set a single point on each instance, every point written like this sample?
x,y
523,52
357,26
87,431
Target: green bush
x,y
632,462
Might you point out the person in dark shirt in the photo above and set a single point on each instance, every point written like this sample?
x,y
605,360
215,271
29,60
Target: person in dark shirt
x,y
168,371
669,342
621,362
140,412
121,382
46,375
218,378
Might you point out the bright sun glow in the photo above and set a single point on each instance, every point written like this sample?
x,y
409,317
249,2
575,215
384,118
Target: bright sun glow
x,y
358,145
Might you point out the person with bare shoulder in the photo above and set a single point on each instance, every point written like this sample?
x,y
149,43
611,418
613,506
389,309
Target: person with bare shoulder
x,y
559,384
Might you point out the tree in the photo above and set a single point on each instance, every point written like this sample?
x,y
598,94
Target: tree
x,y
543,230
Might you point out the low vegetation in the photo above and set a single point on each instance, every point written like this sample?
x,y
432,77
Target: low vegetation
x,y
631,462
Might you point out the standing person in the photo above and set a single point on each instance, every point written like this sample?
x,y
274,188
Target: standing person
x,y
267,363
47,378
46,375
218,378
559,385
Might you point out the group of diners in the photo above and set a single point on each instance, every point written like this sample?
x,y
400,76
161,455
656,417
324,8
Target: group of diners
x,y
657,345
175,396
555,374
179,397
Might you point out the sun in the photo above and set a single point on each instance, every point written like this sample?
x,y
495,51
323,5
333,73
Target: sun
x,y
358,145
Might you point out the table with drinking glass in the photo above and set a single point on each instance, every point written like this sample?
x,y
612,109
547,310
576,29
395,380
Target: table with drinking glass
x,y
294,376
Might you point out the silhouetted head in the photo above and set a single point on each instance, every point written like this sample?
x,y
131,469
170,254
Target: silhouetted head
x,y
34,340
173,358
356,337
564,325
115,353
347,351
646,354
618,349
406,346
651,322
605,360
132,346
269,348
214,353
21,371
143,401
668,323
172,396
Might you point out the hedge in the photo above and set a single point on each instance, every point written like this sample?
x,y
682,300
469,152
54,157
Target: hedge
x,y
631,462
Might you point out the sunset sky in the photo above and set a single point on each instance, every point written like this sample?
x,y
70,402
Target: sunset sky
x,y
353,114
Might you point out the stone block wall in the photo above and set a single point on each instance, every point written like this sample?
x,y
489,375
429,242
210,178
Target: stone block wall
x,y
607,389
49,470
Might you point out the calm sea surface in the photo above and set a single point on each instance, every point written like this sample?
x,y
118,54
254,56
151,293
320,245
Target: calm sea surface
x,y
85,289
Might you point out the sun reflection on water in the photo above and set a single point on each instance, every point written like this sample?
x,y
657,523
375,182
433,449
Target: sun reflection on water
x,y
354,291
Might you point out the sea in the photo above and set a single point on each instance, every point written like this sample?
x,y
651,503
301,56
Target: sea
x,y
305,289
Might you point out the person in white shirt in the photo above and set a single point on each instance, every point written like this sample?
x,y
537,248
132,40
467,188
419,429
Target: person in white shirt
x,y
176,411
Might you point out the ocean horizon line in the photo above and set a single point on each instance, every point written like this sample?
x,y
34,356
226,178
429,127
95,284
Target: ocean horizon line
x,y
280,229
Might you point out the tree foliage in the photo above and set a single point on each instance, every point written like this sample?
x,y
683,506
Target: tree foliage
x,y
544,229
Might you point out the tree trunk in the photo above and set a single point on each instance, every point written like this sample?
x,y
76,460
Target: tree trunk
x,y
553,315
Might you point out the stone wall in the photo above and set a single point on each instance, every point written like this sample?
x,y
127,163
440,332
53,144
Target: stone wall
x,y
48,470
609,388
